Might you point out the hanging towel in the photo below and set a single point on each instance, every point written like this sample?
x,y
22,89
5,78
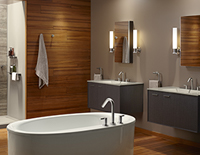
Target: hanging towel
x,y
42,64
126,55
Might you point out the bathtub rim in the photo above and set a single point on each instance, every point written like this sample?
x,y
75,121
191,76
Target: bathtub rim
x,y
11,129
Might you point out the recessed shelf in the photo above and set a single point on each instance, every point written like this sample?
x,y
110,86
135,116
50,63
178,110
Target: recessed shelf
x,y
18,75
12,57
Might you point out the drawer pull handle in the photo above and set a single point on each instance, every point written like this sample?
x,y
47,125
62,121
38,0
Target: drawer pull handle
x,y
155,94
167,96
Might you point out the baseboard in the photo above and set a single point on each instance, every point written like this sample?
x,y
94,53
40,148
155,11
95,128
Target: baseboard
x,y
178,140
3,126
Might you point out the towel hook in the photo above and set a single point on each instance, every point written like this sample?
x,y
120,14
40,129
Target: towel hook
x,y
52,35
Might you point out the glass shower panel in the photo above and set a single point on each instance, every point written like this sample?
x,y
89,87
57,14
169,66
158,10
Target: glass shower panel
x,y
3,60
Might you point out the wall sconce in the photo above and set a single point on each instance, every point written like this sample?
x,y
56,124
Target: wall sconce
x,y
176,49
135,48
111,49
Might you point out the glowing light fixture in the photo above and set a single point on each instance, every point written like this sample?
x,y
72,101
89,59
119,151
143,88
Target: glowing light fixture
x,y
176,49
135,48
111,49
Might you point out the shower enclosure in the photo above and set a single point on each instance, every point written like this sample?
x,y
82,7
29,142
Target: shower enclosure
x,y
3,60
3,65
12,34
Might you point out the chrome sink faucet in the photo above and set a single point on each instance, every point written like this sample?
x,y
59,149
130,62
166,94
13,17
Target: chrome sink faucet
x,y
157,73
123,77
101,71
112,108
185,86
191,82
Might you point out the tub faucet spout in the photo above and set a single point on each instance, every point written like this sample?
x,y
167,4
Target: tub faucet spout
x,y
112,108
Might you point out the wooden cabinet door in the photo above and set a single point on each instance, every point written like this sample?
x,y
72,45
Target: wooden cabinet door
x,y
175,110
186,113
155,107
168,109
114,93
98,93
102,96
131,99
92,95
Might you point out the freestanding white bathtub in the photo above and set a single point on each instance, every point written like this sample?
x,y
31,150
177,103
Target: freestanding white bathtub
x,y
72,134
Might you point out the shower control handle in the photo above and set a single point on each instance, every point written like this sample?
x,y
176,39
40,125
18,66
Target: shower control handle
x,y
104,118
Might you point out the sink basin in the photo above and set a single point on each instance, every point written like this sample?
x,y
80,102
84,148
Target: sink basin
x,y
177,90
113,82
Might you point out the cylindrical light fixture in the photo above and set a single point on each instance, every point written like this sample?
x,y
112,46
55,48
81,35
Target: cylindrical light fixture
x,y
175,48
111,42
135,48
134,40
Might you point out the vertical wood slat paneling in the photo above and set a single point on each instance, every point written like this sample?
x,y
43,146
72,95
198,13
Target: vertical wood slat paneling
x,y
68,56
190,41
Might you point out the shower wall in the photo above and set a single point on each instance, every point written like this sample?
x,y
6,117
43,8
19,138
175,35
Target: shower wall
x,y
16,39
3,60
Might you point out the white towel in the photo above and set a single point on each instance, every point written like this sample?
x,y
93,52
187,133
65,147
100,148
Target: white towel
x,y
14,76
126,54
42,64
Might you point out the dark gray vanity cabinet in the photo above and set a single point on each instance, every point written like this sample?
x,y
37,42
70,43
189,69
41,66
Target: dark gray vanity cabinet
x,y
175,110
128,99
98,93
187,112
160,108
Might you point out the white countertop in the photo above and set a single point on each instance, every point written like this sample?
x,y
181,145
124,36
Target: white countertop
x,y
116,83
177,90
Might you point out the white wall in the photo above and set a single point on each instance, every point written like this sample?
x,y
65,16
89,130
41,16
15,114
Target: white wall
x,y
16,39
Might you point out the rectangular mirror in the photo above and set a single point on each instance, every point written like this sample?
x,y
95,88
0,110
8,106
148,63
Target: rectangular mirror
x,y
190,40
123,36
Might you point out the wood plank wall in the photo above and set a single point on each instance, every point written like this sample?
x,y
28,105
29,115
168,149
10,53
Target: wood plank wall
x,y
68,56
190,41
